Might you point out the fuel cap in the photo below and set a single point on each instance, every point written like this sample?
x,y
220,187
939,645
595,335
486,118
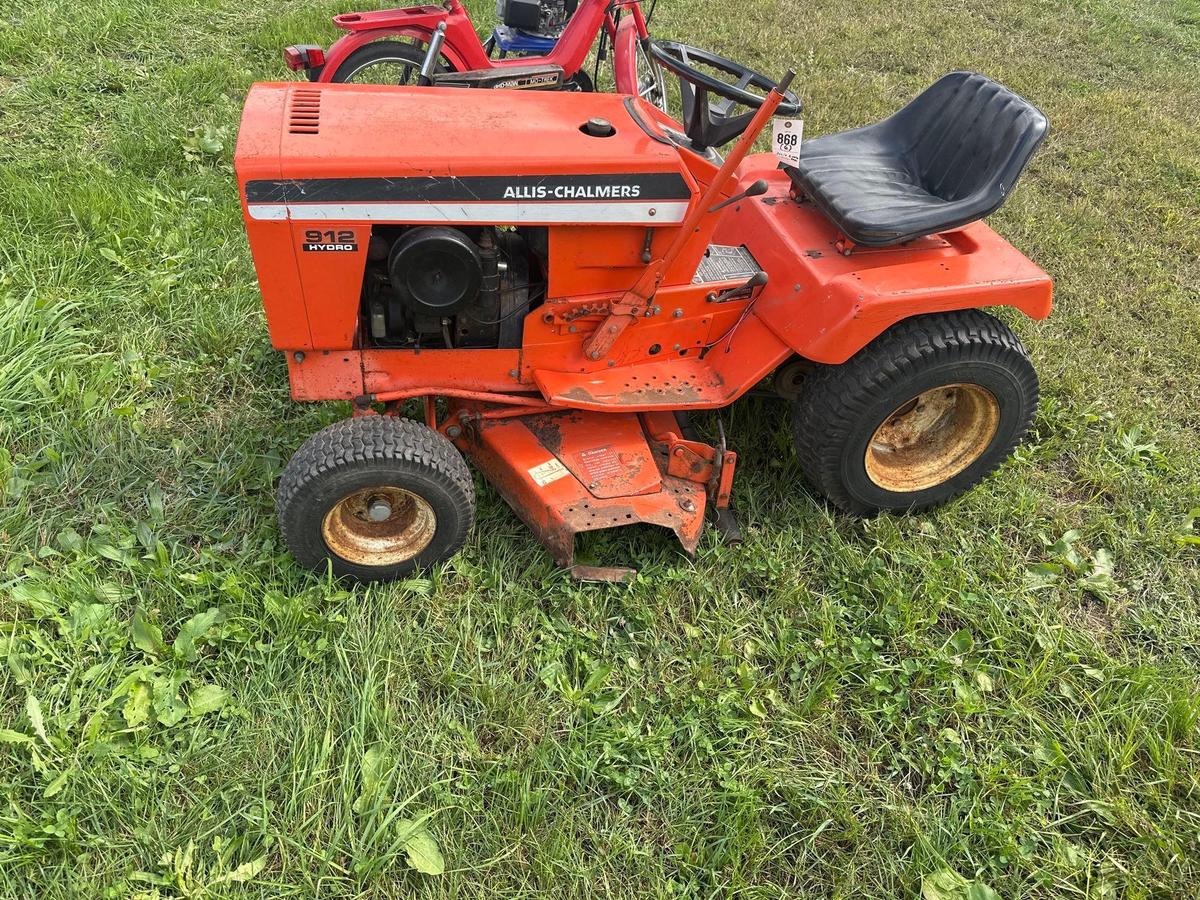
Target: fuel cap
x,y
598,128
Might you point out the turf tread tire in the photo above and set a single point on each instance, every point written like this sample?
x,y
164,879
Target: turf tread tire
x,y
362,446
835,399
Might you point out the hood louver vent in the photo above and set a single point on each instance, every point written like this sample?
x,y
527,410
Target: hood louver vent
x,y
304,114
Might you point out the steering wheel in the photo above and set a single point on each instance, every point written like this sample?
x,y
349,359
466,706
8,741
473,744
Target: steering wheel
x,y
711,124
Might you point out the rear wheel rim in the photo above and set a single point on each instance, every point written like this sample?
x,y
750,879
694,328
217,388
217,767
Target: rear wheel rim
x,y
399,63
932,437
391,70
355,530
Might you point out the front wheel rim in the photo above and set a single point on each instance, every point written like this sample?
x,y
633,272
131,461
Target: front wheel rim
x,y
357,529
651,84
929,439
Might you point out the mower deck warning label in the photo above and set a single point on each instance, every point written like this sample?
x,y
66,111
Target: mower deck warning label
x,y
548,472
601,463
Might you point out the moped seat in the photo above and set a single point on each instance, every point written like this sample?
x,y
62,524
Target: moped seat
x,y
948,158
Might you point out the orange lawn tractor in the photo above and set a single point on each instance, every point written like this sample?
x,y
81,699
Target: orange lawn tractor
x,y
562,277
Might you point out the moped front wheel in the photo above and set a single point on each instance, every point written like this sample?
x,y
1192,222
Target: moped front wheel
x,y
651,81
384,62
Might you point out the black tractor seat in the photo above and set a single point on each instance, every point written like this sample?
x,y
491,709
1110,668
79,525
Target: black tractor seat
x,y
948,158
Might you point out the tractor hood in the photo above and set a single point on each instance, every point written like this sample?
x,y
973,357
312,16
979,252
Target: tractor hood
x,y
380,153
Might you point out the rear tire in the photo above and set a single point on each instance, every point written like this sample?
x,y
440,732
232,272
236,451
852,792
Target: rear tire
x,y
384,62
376,497
922,413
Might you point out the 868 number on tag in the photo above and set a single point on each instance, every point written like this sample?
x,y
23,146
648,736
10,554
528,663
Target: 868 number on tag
x,y
786,135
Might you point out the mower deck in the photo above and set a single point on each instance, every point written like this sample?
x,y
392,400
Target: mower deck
x,y
573,471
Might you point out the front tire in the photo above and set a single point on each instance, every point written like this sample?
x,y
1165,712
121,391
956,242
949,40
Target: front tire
x,y
376,497
922,413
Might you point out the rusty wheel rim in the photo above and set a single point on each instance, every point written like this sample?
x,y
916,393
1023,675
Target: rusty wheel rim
x,y
379,526
933,437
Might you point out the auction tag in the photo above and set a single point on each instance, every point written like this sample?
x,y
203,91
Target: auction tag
x,y
786,135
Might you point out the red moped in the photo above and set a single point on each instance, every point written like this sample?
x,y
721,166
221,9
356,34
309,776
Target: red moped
x,y
535,40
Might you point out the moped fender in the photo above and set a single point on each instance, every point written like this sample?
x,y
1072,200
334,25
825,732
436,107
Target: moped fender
x,y
351,41
625,56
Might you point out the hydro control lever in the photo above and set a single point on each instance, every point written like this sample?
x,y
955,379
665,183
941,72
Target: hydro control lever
x,y
758,279
633,303
755,190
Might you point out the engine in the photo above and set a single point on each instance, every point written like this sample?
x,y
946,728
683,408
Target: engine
x,y
545,18
432,286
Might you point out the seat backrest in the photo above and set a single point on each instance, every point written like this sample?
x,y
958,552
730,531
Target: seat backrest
x,y
966,134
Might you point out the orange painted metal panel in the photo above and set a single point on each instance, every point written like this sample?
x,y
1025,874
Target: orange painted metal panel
x,y
612,461
371,131
472,370
325,375
257,158
600,258
332,281
827,306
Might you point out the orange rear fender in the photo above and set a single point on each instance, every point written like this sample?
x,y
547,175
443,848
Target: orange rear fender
x,y
827,305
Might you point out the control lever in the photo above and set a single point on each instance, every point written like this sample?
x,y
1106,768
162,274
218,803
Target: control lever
x,y
633,302
758,279
429,66
755,190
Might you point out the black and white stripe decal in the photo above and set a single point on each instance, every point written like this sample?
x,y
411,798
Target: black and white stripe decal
x,y
622,198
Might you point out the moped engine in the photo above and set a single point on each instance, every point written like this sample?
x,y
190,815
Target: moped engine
x,y
545,18
439,287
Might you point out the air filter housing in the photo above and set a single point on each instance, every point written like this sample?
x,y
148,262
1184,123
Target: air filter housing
x,y
435,270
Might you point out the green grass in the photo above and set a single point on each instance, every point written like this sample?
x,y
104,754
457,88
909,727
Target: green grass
x,y
1005,689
